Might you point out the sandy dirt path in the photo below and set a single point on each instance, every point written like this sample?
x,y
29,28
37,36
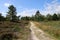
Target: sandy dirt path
x,y
38,34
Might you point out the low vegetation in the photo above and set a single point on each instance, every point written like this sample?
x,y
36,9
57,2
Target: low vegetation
x,y
51,27
49,23
20,28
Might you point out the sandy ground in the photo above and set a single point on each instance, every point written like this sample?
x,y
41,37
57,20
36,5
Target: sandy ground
x,y
38,34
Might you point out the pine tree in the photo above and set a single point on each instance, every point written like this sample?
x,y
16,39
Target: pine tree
x,y
11,13
55,17
38,16
49,17
2,18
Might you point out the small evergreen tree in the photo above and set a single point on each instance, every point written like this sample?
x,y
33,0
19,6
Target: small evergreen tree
x,y
38,16
49,17
25,18
11,13
2,17
55,17
58,16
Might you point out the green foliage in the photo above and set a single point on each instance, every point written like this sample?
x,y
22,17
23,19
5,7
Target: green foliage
x,y
1,17
52,27
25,18
12,14
55,17
17,28
37,14
38,17
49,17
58,16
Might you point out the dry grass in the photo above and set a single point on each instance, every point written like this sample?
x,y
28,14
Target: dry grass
x,y
53,28
19,27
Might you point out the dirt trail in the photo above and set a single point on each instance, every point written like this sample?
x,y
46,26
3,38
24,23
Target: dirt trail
x,y
38,34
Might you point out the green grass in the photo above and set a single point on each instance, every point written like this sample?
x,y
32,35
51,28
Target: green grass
x,y
55,24
54,29
51,27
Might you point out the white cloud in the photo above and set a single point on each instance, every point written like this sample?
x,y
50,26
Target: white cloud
x,y
3,13
7,4
53,7
54,1
27,12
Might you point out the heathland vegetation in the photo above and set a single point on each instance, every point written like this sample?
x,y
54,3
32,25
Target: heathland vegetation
x,y
49,23
11,24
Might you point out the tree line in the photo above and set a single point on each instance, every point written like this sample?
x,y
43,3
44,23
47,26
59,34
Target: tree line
x,y
39,17
12,16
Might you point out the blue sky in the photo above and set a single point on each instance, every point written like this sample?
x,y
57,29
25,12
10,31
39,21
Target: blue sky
x,y
29,7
